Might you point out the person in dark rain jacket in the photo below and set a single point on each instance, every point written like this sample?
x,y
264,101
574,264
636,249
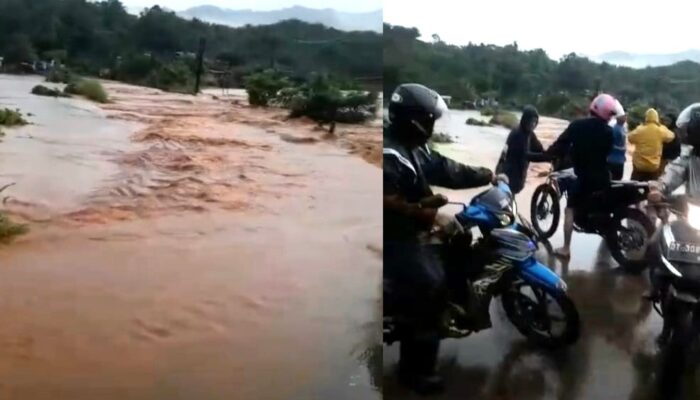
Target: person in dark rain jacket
x,y
522,147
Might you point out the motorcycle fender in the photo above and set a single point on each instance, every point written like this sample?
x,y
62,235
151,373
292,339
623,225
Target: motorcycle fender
x,y
683,296
536,273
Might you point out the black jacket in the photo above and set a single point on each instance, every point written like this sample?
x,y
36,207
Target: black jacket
x,y
588,141
522,147
410,173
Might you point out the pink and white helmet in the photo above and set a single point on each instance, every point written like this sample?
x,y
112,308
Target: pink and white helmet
x,y
604,106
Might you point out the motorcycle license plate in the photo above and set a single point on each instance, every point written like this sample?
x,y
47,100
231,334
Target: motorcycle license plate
x,y
684,252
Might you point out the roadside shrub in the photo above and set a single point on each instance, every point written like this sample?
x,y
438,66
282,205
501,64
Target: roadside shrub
x,y
440,137
60,75
488,111
263,87
11,117
477,122
10,230
635,115
88,88
323,101
173,77
41,90
506,119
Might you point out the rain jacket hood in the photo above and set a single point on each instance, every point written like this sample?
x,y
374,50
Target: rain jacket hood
x,y
651,117
529,114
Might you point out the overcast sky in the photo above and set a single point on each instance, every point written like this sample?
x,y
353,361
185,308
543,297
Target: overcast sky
x,y
559,27
342,5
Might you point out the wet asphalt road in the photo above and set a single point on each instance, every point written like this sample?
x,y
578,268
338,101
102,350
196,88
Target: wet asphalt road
x,y
615,358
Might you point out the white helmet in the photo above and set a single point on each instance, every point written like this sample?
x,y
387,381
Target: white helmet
x,y
619,110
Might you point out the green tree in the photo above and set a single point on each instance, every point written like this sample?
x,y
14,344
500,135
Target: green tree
x,y
20,49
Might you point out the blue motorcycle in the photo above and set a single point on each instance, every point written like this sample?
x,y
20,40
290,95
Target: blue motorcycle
x,y
501,263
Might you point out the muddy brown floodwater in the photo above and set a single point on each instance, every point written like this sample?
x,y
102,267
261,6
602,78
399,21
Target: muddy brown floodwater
x,y
211,251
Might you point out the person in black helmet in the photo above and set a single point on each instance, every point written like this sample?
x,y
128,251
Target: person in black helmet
x,y
522,147
410,212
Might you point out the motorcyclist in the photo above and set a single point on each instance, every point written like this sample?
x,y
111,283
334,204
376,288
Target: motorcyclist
x,y
683,170
410,212
588,141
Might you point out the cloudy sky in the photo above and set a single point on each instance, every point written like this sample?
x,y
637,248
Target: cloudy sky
x,y
559,27
342,5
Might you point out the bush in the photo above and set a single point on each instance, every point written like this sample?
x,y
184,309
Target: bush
x,y
440,137
11,118
488,111
506,119
263,87
135,68
60,75
174,77
477,122
636,115
41,90
89,88
323,101
10,230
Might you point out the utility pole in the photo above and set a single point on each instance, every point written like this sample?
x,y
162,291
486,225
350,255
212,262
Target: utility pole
x,y
200,62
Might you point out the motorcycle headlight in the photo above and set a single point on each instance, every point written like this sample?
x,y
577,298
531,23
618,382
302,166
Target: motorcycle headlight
x,y
694,216
504,219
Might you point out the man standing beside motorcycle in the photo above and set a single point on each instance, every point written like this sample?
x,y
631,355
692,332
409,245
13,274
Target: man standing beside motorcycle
x,y
410,213
589,141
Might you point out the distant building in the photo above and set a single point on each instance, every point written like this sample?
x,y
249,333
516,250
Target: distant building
x,y
448,99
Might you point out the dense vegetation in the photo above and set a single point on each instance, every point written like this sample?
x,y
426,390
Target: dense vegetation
x,y
321,98
515,77
157,47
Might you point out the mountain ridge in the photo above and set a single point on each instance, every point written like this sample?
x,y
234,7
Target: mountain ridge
x,y
346,21
641,60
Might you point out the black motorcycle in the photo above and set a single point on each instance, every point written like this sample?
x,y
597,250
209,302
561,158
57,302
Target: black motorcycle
x,y
675,261
610,214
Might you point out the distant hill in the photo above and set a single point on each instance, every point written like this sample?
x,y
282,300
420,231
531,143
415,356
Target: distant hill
x,y
643,60
368,21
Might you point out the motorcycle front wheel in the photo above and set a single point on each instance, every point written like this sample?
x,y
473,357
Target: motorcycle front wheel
x,y
628,238
545,316
545,210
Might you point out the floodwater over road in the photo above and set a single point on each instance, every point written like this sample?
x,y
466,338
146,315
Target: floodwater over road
x,y
616,356
212,252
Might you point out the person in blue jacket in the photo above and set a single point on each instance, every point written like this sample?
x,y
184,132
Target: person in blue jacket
x,y
618,155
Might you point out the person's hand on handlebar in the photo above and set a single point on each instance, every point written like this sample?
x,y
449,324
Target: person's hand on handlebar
x,y
655,195
500,178
434,201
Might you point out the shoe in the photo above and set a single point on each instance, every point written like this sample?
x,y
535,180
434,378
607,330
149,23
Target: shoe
x,y
424,385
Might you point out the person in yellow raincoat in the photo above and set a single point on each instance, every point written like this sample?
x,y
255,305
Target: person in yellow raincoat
x,y
648,139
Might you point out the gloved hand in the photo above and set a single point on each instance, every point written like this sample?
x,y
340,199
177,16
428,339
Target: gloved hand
x,y
447,224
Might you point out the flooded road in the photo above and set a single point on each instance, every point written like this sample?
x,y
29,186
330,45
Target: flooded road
x,y
222,252
614,359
